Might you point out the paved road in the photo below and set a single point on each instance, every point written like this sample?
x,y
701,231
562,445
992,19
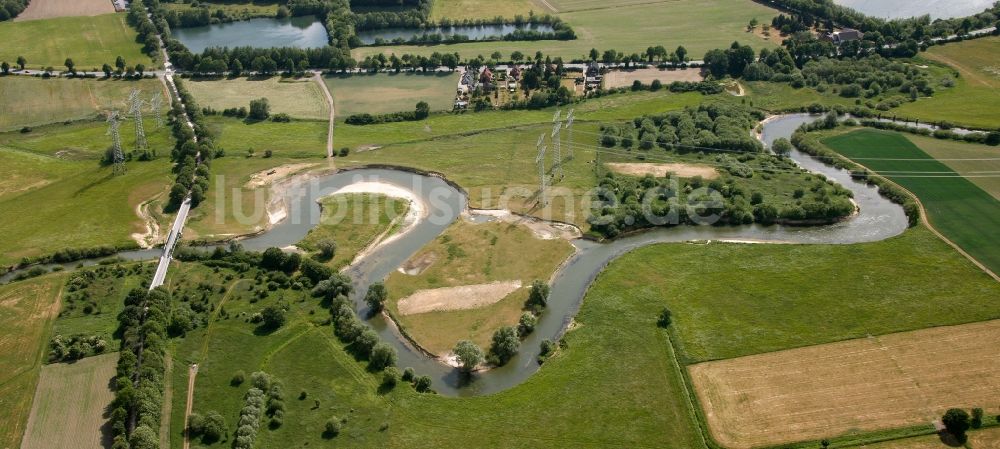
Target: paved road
x,y
172,239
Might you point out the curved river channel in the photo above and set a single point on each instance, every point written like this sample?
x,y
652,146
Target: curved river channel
x,y
878,219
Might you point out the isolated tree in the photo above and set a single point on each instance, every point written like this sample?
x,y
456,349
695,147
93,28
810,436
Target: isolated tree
x,y
666,317
782,146
376,296
5,67
139,68
327,249
956,421
538,298
272,259
332,428
717,62
517,56
505,345
527,323
260,109
106,68
21,62
120,64
977,418
70,65
681,53
422,110
383,356
497,56
594,54
273,316
469,355
422,383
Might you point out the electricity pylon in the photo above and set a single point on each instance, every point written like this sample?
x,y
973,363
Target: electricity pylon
x,y
117,156
156,105
569,127
557,171
135,110
540,160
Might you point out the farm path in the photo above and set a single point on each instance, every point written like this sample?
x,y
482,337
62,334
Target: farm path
x,y
329,99
192,373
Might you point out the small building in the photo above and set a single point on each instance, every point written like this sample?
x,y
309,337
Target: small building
x,y
514,73
593,77
120,5
845,35
486,77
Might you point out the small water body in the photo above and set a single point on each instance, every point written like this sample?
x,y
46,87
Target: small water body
x,y
369,37
299,32
902,9
878,219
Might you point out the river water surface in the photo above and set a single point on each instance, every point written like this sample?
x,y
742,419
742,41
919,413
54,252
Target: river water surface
x,y
901,9
878,219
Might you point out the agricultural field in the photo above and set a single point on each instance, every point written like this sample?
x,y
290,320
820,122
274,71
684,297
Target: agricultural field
x,y
36,101
89,41
70,405
27,309
49,9
889,381
299,98
625,78
979,158
952,202
468,254
72,200
971,101
698,25
354,221
383,93
978,439
484,9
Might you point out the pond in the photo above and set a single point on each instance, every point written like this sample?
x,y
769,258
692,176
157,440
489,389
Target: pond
x,y
369,37
299,32
901,9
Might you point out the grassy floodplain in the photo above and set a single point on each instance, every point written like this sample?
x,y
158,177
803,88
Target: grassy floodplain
x,y
698,25
469,254
383,93
36,101
90,41
71,201
347,220
297,97
963,212
26,312
972,102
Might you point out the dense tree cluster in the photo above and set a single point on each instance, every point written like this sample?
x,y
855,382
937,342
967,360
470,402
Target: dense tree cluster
x,y
135,416
75,347
407,13
362,340
720,126
9,9
749,189
192,157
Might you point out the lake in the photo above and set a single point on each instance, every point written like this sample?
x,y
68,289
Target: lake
x,y
300,32
901,9
369,37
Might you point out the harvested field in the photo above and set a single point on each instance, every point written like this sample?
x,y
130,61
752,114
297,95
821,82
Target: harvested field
x,y
867,384
456,298
661,170
26,311
978,439
70,406
625,78
47,9
383,93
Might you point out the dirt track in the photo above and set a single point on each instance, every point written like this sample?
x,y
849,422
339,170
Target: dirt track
x,y
48,9
867,384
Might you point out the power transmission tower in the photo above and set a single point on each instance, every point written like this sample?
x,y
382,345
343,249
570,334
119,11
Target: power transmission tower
x,y
557,171
117,156
135,110
543,181
156,105
569,127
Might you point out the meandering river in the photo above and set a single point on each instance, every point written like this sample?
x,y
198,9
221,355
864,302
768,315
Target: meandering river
x,y
878,219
